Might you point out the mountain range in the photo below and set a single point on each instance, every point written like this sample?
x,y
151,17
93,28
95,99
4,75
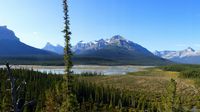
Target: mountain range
x,y
92,49
187,56
113,51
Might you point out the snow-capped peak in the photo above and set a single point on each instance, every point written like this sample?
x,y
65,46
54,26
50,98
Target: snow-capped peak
x,y
177,54
81,42
49,44
189,49
118,37
101,43
115,41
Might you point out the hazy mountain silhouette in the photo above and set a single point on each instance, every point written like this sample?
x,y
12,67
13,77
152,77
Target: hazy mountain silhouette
x,y
56,49
10,45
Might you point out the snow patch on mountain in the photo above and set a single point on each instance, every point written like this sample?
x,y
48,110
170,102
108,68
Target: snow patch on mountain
x,y
82,46
116,40
189,52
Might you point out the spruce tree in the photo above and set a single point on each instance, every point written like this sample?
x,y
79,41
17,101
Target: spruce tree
x,y
67,33
67,50
70,104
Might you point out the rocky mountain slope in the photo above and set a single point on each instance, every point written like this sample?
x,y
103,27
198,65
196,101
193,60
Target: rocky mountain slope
x,y
118,50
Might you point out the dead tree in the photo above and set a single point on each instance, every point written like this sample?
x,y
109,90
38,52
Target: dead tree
x,y
18,103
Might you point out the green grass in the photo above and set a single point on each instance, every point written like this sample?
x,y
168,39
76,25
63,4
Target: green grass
x,y
186,71
154,81
135,81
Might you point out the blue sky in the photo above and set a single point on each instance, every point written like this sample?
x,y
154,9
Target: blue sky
x,y
154,24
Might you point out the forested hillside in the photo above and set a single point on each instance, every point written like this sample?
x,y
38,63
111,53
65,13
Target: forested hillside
x,y
101,93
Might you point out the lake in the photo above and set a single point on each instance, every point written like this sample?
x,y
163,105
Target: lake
x,y
106,70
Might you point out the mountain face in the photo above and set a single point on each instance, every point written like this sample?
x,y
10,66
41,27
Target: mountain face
x,y
118,50
11,46
188,56
56,49
6,34
116,41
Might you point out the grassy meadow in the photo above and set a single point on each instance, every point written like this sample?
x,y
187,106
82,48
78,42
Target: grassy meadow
x,y
154,84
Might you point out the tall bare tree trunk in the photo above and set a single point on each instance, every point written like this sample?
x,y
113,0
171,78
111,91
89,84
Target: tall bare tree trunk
x,y
13,89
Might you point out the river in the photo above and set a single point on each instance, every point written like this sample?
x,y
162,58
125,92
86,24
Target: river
x,y
106,70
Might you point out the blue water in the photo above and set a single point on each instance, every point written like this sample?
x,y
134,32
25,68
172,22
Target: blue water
x,y
106,70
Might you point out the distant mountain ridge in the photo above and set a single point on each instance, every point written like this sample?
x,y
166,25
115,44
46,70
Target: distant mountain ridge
x,y
57,49
188,56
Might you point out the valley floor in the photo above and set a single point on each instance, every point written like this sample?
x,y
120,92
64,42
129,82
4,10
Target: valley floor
x,y
149,80
152,82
